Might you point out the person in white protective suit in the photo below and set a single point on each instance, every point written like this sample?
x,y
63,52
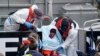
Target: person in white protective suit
x,y
23,19
68,29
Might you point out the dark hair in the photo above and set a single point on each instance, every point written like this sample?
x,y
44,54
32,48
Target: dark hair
x,y
33,46
65,24
66,21
33,35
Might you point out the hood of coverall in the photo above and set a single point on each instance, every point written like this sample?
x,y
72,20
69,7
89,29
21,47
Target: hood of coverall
x,y
34,7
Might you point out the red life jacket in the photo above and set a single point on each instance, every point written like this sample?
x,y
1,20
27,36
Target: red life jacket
x,y
30,15
58,22
58,25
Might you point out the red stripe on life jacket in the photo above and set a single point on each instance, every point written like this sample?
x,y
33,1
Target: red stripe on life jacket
x,y
58,23
30,15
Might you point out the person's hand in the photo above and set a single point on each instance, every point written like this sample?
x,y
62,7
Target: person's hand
x,y
28,25
60,49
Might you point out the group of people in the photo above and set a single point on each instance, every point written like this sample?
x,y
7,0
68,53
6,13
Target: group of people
x,y
59,38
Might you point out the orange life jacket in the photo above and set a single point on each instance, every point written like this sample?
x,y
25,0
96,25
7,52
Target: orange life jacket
x,y
30,15
49,53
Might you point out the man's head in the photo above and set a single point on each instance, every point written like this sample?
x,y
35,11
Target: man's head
x,y
33,37
52,33
65,24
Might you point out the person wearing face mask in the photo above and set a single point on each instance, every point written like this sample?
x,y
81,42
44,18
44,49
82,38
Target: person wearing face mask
x,y
68,29
23,19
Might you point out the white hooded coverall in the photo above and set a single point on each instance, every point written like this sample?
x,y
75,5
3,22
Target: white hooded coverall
x,y
48,43
70,44
13,21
